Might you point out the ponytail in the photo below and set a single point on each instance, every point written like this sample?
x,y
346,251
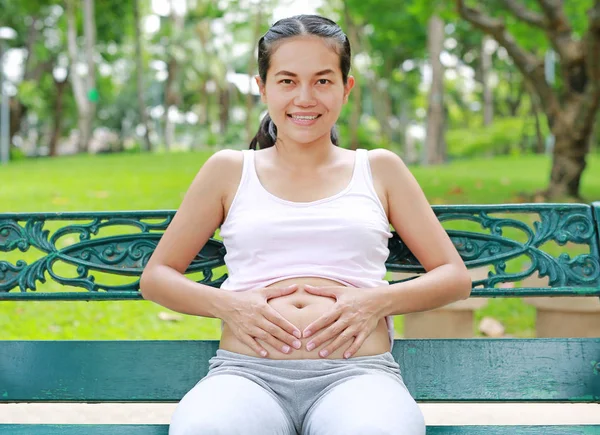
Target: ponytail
x,y
267,135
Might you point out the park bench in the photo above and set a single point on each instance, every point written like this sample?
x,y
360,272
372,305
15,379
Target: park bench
x,y
560,241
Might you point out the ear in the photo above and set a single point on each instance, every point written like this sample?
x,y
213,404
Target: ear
x,y
348,87
261,88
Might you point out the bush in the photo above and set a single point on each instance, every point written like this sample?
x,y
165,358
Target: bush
x,y
504,136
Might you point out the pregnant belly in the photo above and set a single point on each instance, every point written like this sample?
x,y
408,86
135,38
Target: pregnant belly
x,y
302,308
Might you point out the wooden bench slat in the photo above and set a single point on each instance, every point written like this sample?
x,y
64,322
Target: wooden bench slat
x,y
479,370
130,429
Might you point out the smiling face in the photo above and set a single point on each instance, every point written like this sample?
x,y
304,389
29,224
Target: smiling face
x,y
304,90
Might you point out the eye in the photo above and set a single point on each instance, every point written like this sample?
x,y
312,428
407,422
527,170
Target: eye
x,y
286,81
324,81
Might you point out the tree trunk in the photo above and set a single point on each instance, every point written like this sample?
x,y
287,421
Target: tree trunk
x,y
434,149
83,119
171,92
140,77
224,97
569,157
251,71
89,31
58,115
486,66
356,91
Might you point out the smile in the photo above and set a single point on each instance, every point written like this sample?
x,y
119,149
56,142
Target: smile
x,y
304,120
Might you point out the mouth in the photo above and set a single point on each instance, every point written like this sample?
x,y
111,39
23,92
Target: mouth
x,y
303,119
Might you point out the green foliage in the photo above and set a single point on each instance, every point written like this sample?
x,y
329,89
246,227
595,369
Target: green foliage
x,y
504,136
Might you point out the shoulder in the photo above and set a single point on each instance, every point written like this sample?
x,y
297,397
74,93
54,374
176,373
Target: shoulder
x,y
220,170
225,160
386,164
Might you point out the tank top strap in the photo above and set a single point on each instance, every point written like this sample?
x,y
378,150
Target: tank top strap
x,y
246,168
247,185
362,177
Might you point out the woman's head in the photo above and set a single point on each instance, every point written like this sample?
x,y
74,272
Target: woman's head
x,y
303,64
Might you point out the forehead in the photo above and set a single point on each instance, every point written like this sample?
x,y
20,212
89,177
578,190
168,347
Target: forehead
x,y
305,55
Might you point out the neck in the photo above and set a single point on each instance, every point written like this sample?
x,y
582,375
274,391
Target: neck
x,y
305,156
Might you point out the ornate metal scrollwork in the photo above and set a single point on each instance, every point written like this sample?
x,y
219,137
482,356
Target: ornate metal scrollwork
x,y
80,245
125,254
561,223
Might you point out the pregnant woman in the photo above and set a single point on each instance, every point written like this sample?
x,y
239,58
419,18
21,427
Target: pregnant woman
x,y
306,313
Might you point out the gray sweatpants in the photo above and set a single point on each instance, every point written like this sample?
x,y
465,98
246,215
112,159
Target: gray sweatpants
x,y
248,395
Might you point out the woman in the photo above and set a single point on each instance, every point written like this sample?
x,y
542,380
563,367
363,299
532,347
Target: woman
x,y
307,326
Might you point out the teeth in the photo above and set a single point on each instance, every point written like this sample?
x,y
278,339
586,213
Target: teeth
x,y
308,118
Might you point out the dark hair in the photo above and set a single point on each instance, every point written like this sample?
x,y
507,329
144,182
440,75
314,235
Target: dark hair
x,y
286,28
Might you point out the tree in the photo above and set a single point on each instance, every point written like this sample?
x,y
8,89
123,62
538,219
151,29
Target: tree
x,y
84,88
435,149
570,111
140,75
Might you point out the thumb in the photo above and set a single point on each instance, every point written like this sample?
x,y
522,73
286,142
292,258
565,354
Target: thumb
x,y
281,291
321,291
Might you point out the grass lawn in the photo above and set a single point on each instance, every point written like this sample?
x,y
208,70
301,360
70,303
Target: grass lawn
x,y
159,181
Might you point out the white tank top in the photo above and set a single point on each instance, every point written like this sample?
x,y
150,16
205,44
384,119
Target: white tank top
x,y
343,237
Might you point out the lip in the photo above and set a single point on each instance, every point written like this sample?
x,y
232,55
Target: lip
x,y
304,122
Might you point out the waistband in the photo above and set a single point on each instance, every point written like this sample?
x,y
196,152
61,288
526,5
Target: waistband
x,y
385,358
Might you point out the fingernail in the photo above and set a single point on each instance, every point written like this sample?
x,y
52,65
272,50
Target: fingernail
x,y
297,344
297,334
310,346
286,349
347,355
263,352
307,333
323,353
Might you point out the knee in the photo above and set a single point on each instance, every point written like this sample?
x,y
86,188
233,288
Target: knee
x,y
199,428
193,420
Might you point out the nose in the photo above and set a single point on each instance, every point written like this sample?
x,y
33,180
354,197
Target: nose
x,y
305,97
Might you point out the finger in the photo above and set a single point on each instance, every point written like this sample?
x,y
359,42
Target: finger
x,y
261,333
345,337
358,342
320,323
320,291
327,334
278,338
253,344
273,316
274,292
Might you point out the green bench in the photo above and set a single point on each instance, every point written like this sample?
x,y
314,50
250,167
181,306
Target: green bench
x,y
560,241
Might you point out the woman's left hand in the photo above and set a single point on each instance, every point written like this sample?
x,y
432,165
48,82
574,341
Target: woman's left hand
x,y
355,314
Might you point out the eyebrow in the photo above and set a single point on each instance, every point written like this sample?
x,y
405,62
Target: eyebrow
x,y
291,74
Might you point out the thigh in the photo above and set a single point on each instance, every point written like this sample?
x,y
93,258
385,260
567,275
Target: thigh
x,y
367,404
229,405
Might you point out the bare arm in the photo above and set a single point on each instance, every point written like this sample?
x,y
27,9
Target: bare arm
x,y
447,279
199,215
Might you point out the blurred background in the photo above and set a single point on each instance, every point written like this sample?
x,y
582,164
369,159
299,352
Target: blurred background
x,y
115,105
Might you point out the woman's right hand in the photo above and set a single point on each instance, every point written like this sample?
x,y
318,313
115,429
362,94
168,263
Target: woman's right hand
x,y
250,317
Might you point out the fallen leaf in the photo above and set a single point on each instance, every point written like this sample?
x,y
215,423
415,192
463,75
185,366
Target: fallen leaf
x,y
456,190
169,317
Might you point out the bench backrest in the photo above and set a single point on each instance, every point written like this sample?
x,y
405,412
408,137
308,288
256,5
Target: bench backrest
x,y
559,241
108,251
